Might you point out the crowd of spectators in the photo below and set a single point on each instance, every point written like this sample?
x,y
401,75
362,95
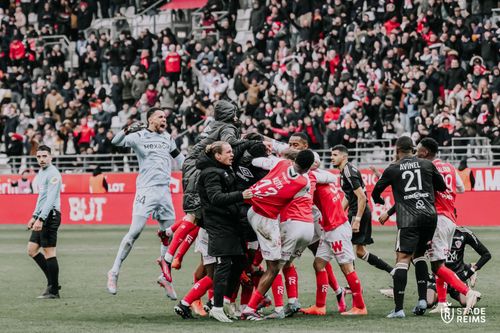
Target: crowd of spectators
x,y
341,71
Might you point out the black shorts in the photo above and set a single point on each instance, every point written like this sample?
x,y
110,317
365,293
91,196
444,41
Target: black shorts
x,y
415,240
364,236
47,237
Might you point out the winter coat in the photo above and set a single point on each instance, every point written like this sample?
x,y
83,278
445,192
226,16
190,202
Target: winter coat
x,y
220,205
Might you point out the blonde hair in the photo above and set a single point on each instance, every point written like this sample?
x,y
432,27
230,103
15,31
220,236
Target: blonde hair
x,y
215,148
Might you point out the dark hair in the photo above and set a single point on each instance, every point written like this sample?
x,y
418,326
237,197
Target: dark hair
x,y
215,148
305,159
258,150
96,171
254,137
301,135
463,164
151,112
44,148
405,144
341,148
431,145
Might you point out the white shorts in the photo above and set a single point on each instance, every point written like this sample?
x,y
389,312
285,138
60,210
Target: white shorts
x,y
318,230
337,244
442,239
295,237
156,200
201,246
268,235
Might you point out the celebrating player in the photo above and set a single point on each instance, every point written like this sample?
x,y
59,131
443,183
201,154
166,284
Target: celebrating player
x,y
270,195
413,181
355,199
155,150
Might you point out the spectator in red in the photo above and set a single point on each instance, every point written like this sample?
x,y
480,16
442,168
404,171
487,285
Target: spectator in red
x,y
151,95
391,24
17,52
173,64
84,134
331,113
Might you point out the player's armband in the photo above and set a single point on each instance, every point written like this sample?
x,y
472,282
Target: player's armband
x,y
174,153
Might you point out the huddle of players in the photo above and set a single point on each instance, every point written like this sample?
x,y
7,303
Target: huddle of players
x,y
284,221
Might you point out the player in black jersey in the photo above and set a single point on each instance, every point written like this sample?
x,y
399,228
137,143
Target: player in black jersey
x,y
360,215
455,262
413,181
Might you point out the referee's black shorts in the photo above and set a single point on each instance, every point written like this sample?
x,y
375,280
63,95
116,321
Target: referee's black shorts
x,y
415,240
364,236
47,237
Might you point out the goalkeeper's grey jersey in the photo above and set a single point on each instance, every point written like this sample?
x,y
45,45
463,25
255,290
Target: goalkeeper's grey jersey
x,y
153,153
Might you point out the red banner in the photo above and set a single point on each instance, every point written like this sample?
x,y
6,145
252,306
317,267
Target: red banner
x,y
476,208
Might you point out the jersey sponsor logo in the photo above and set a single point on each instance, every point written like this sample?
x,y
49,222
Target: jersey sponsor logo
x,y
337,246
416,195
155,146
420,204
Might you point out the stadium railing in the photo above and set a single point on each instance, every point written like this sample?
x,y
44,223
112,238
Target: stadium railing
x,y
378,155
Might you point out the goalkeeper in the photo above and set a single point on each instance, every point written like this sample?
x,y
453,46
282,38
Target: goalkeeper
x,y
155,150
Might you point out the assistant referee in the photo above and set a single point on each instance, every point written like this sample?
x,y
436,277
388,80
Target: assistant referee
x,y
45,222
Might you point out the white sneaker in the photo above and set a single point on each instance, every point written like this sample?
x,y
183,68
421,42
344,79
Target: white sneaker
x,y
169,287
218,314
231,311
440,307
112,282
394,314
471,300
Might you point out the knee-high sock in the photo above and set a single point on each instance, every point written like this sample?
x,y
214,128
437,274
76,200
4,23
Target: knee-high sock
x,y
321,288
357,292
255,300
178,238
278,291
452,279
198,290
42,263
186,244
422,275
53,270
332,280
291,283
138,223
377,262
400,278
441,290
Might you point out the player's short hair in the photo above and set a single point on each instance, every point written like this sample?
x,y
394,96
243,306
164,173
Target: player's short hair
x,y
405,144
44,148
431,145
254,137
302,136
341,148
152,111
258,150
215,148
305,159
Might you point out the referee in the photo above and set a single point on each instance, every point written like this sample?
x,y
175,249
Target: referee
x,y
45,222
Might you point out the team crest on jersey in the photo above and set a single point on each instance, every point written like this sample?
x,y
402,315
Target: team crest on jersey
x,y
54,180
458,243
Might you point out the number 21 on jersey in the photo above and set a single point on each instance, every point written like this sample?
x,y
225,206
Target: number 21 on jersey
x,y
413,180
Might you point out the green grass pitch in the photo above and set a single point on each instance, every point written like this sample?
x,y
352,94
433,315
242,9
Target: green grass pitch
x,y
86,253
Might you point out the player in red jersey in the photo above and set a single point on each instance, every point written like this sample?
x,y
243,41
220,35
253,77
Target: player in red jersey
x,y
286,181
443,236
297,231
335,243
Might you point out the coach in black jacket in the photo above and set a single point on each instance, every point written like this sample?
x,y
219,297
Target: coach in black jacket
x,y
220,205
